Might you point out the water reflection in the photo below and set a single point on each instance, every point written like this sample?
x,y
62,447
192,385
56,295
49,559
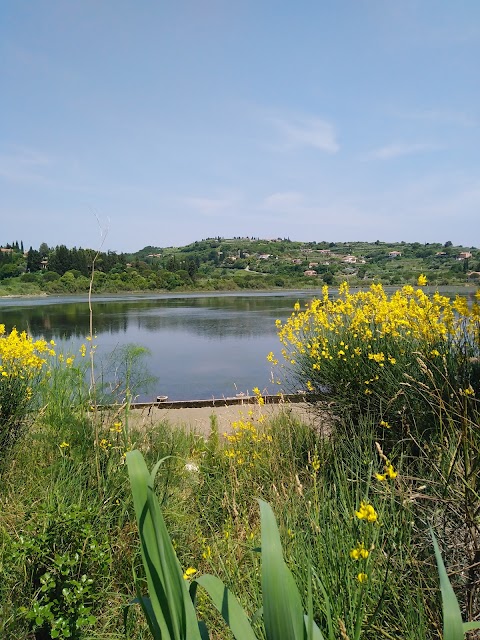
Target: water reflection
x,y
209,316
201,346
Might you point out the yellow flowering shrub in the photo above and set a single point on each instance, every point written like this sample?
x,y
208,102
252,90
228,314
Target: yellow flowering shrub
x,y
246,443
22,361
370,349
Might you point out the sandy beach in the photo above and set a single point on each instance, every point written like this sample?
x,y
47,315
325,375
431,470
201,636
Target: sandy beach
x,y
198,419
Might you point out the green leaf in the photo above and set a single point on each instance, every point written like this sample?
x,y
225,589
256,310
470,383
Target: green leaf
x,y
202,627
170,611
256,616
452,618
227,604
282,605
312,631
469,626
315,632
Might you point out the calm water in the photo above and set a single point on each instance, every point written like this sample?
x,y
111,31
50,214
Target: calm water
x,y
201,346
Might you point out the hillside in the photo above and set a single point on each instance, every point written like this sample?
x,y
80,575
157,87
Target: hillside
x,y
216,264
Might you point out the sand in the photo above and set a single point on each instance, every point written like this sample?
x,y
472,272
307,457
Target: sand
x,y
199,419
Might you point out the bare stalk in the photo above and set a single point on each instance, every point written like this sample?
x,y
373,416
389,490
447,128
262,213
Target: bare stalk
x,y
93,388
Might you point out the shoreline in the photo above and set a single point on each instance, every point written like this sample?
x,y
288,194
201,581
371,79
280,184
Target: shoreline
x,y
466,286
199,419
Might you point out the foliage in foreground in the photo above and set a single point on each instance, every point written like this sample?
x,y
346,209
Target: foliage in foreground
x,y
170,607
170,610
353,507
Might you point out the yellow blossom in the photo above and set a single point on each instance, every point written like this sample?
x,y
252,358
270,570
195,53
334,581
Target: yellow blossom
x,y
366,512
362,577
422,280
104,444
191,571
359,552
390,471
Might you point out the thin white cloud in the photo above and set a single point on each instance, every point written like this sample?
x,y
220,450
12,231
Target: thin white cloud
x,y
209,206
302,131
283,200
397,150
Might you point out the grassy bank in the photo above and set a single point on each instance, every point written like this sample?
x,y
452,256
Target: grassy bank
x,y
354,500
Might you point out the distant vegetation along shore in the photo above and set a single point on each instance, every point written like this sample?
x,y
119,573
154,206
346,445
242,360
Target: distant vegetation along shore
x,y
220,264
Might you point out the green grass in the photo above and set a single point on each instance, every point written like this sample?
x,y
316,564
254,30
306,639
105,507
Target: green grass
x,y
67,512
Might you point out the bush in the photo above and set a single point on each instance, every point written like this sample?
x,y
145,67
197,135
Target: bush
x,y
21,364
397,357
63,561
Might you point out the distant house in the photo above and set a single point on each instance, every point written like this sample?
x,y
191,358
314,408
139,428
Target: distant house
x,y
312,264
3,250
324,251
44,263
310,273
464,255
394,254
349,259
264,256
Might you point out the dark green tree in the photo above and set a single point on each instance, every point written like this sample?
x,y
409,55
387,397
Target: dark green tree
x,y
34,260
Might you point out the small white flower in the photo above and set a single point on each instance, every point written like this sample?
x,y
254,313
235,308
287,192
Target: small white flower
x,y
192,467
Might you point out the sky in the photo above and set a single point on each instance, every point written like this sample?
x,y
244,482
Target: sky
x,y
125,124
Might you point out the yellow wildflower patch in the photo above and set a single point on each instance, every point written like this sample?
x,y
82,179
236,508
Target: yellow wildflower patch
x,y
366,512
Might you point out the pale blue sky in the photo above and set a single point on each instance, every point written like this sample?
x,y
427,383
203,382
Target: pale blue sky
x,y
173,121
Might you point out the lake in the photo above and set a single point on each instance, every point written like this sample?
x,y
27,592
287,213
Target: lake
x,y
200,345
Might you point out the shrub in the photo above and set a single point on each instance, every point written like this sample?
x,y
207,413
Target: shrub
x,y
63,560
21,363
388,355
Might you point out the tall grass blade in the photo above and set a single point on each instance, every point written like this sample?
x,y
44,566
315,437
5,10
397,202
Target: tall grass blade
x,y
452,618
331,634
312,631
282,605
147,609
203,630
170,601
227,604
